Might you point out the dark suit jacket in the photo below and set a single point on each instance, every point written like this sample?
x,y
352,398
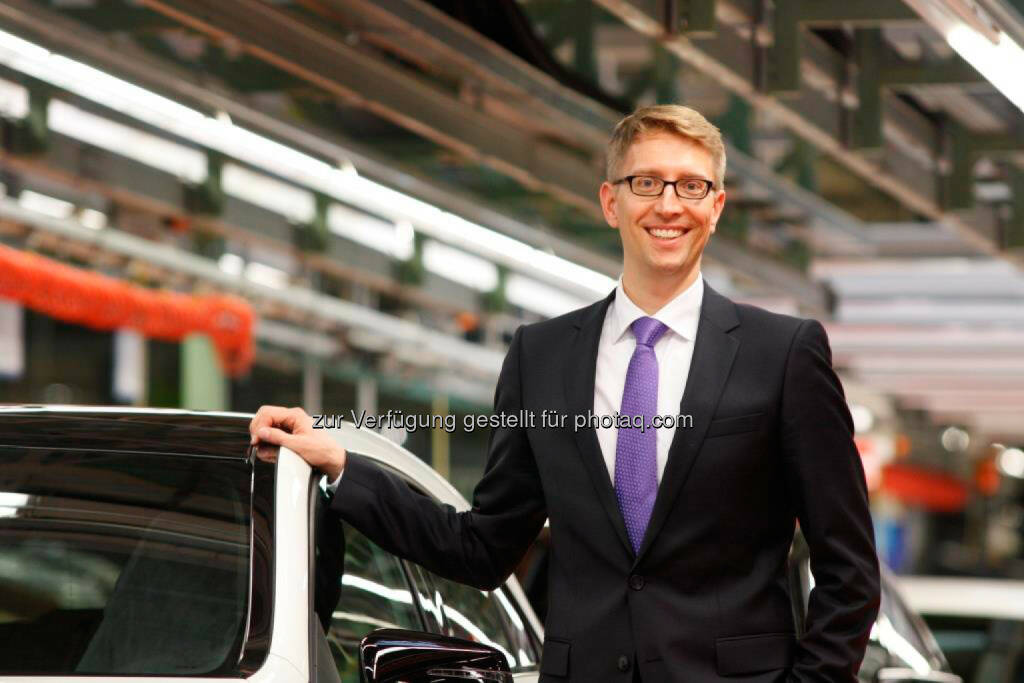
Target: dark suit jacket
x,y
706,599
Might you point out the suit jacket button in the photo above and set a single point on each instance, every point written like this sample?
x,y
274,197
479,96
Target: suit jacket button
x,y
623,663
636,582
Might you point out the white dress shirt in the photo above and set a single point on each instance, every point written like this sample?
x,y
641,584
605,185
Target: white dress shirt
x,y
674,351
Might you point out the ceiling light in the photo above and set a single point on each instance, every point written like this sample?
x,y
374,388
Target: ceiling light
x,y
341,183
232,264
538,297
180,161
92,219
389,238
1001,62
265,275
1011,462
954,439
45,204
261,190
459,266
13,100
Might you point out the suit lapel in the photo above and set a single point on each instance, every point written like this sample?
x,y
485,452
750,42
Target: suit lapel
x,y
579,391
713,355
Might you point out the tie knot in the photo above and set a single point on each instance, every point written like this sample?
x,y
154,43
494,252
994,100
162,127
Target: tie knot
x,y
648,330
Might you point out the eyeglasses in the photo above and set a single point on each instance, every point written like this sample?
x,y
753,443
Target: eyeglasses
x,y
652,186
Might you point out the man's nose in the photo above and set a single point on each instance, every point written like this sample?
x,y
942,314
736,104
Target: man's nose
x,y
669,202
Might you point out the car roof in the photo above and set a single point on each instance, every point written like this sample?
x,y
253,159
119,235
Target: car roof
x,y
190,432
128,429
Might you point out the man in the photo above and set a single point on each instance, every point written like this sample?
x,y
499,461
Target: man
x,y
668,545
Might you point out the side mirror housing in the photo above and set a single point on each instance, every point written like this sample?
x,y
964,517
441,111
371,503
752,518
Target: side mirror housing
x,y
393,655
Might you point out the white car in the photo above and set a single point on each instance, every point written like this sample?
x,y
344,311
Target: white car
x,y
151,545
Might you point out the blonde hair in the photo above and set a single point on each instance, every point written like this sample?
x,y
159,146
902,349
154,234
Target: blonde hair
x,y
671,118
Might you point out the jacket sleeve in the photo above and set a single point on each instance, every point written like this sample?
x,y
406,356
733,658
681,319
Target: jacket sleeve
x,y
825,479
479,547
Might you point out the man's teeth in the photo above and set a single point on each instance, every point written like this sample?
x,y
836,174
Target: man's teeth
x,y
665,233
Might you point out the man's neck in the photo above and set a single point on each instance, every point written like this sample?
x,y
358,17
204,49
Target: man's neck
x,y
651,294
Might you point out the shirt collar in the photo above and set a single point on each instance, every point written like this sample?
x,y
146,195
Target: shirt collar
x,y
681,314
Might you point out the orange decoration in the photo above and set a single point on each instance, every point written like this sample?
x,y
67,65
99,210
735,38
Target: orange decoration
x,y
929,488
79,296
986,477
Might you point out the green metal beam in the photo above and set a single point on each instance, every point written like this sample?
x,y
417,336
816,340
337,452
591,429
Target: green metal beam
x,y
948,72
997,144
584,60
1014,235
861,12
867,120
697,17
959,184
880,68
791,15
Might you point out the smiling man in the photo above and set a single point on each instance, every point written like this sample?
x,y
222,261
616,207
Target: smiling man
x,y
669,544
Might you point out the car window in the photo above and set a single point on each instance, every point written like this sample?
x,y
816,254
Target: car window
x,y
487,617
122,563
374,594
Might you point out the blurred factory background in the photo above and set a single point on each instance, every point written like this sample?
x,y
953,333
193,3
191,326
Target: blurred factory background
x,y
352,204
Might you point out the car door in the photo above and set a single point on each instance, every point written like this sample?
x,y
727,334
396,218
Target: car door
x,y
490,617
360,587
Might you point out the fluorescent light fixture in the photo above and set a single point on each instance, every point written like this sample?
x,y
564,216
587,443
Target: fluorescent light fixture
x,y
178,160
538,297
45,204
303,169
265,275
459,266
13,100
389,238
459,232
261,190
1001,62
92,219
232,264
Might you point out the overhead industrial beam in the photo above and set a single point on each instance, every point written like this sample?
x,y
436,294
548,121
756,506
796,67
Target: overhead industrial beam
x,y
305,51
791,15
414,23
879,69
733,69
132,63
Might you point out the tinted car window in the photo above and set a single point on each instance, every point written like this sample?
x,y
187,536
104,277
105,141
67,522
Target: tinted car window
x,y
374,594
484,617
122,563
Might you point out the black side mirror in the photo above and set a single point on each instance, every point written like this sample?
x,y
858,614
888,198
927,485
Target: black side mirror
x,y
896,675
396,656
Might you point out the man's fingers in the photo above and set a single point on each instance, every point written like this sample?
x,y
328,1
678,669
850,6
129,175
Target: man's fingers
x,y
275,436
262,419
289,419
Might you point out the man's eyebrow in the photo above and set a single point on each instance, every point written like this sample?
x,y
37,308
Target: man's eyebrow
x,y
654,172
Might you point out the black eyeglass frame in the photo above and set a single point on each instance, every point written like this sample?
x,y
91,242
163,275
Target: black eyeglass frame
x,y
708,185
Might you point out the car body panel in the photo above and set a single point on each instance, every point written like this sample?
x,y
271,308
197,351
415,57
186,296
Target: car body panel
x,y
217,434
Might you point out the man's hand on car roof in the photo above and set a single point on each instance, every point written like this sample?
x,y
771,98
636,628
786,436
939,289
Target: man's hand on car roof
x,y
293,429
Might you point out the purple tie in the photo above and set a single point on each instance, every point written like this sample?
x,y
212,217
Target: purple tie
x,y
636,450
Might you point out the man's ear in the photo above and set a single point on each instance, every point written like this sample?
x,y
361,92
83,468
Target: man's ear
x,y
608,200
716,210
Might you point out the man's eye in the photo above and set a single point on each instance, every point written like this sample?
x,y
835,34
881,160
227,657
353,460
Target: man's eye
x,y
646,183
693,186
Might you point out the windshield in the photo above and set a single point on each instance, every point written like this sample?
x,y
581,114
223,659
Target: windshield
x,y
123,563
